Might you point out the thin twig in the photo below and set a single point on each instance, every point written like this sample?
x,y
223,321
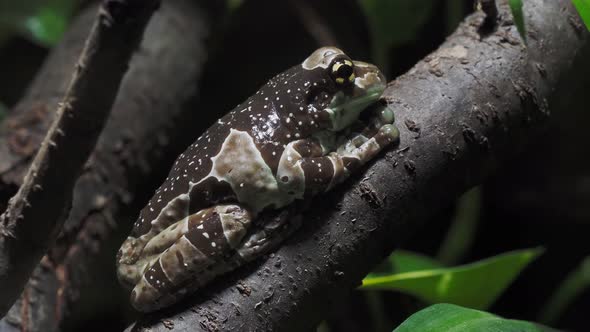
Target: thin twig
x,y
36,213
127,161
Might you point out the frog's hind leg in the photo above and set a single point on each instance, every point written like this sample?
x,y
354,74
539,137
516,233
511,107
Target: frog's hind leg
x,y
268,234
201,240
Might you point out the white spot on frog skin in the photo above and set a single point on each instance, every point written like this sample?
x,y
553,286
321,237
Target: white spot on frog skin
x,y
239,163
145,294
176,209
290,173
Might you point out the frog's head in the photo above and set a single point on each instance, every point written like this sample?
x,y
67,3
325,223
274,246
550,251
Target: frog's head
x,y
341,86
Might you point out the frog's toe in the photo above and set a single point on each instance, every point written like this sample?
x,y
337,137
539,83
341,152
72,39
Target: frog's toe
x,y
386,115
387,134
147,298
359,140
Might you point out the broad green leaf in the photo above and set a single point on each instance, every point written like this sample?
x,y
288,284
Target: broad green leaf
x,y
475,285
405,261
448,317
516,8
398,262
393,22
583,8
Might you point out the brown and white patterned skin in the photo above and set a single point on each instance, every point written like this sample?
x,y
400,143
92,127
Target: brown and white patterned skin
x,y
291,140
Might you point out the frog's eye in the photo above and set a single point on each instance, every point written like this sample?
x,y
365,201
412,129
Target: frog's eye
x,y
343,72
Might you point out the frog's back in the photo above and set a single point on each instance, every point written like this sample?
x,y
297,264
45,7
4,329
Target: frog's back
x,y
251,135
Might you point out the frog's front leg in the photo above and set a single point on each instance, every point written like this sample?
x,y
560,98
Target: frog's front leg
x,y
187,249
379,115
322,173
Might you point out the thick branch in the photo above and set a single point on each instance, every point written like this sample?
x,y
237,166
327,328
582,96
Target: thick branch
x,y
36,213
156,96
461,111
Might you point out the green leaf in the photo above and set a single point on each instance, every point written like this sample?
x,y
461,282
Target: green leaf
x,y
475,285
394,22
448,317
583,7
402,261
405,261
516,8
47,26
43,22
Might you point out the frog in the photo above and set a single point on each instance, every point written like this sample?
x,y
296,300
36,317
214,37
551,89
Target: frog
x,y
296,138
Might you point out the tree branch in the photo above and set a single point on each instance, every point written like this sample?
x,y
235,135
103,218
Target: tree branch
x,y
461,111
36,213
157,95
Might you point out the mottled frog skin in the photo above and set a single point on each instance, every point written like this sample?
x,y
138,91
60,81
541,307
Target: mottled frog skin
x,y
297,137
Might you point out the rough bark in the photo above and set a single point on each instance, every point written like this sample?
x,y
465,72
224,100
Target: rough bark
x,y
461,111
152,110
34,216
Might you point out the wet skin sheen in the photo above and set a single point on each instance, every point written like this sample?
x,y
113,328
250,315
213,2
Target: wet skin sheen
x,y
296,138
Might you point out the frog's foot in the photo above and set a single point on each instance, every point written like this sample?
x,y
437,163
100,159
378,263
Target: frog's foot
x,y
186,249
323,173
382,115
363,148
378,124
377,116
268,234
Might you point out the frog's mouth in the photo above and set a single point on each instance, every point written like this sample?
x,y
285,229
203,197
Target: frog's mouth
x,y
369,84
